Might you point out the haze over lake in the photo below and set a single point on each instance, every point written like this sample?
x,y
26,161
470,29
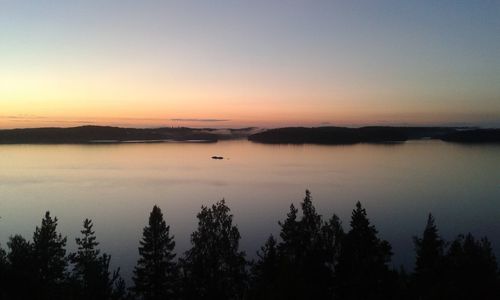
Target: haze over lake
x,y
116,185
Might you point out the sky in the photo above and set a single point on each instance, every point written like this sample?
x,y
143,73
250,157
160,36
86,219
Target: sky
x,y
249,63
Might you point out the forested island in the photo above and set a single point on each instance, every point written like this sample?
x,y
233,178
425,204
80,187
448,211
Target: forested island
x,y
288,135
373,134
312,258
107,134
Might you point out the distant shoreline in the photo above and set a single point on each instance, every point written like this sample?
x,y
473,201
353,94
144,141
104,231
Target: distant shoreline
x,y
114,135
374,134
287,135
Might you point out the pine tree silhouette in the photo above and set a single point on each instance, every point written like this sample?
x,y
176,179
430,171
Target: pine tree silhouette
x,y
471,269
214,268
362,270
156,273
290,236
91,268
307,254
265,273
3,273
21,270
50,259
429,262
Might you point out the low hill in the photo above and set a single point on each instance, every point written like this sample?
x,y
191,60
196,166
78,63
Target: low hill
x,y
345,135
91,134
373,134
475,136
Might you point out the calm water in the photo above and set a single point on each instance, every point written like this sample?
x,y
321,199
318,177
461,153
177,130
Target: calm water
x,y
117,185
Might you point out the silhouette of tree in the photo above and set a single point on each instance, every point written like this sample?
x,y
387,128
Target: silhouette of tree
x,y
429,262
214,268
319,243
284,282
332,238
91,269
50,258
21,270
3,273
362,271
471,269
120,291
265,273
314,259
307,255
156,273
290,236
332,234
402,288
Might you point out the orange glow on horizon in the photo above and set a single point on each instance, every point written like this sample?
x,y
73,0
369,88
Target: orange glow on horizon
x,y
59,97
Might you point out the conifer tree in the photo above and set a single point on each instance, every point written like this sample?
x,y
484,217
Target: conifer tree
x,y
214,268
314,272
331,245
332,235
429,266
3,273
265,273
120,291
91,269
156,273
290,236
362,270
310,231
308,252
21,276
50,259
471,269
268,258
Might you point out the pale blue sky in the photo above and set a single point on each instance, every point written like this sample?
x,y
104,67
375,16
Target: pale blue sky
x,y
260,62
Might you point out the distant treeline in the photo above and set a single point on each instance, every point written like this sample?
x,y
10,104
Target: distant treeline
x,y
92,134
313,258
373,134
291,135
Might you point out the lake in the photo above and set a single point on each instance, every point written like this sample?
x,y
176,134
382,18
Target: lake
x,y
116,185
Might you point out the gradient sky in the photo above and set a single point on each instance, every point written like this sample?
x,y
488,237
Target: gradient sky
x,y
249,63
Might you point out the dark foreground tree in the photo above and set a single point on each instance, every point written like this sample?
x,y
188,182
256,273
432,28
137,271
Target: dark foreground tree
x,y
471,269
302,265
49,257
120,291
308,251
429,263
362,271
91,273
214,268
265,273
156,273
21,270
313,259
3,273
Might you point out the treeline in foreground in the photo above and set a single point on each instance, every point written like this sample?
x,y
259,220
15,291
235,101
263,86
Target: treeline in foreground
x,y
313,258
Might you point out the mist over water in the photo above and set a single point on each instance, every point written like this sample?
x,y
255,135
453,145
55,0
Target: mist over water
x,y
116,185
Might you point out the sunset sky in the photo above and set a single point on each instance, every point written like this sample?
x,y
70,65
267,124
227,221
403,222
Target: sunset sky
x,y
249,63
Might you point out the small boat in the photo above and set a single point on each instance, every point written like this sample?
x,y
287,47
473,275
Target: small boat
x,y
217,157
